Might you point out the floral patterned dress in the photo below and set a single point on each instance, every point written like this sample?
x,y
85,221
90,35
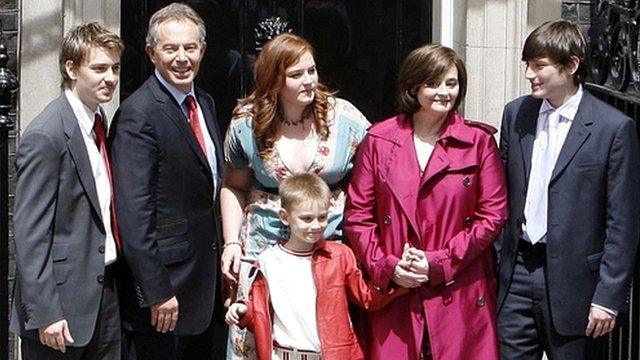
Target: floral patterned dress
x,y
261,226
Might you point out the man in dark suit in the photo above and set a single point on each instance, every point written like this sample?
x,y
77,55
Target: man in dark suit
x,y
568,249
167,159
65,304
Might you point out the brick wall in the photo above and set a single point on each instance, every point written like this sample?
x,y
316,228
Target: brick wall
x,y
10,18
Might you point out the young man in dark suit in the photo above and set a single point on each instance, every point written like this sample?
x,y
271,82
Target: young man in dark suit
x,y
167,158
65,302
569,247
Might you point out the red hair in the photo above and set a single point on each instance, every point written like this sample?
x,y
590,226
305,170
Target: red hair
x,y
280,53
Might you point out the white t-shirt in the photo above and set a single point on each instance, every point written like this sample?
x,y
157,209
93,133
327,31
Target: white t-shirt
x,y
292,292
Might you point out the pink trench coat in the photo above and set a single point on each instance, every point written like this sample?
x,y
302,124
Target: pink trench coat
x,y
453,212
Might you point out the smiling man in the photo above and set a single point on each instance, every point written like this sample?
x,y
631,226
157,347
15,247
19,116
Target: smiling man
x,y
65,302
568,249
167,163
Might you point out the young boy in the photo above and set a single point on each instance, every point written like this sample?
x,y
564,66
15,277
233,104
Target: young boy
x,y
297,306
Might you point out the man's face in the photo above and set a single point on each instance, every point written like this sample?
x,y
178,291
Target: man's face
x,y
178,53
95,80
549,80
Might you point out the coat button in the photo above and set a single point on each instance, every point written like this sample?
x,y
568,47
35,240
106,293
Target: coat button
x,y
101,249
100,278
387,219
466,181
480,302
468,221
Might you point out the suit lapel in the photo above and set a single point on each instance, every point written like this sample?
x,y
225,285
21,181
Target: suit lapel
x,y
173,111
526,127
578,133
212,126
401,171
78,150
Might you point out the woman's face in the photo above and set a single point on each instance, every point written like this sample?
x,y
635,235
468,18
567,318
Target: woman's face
x,y
301,80
440,98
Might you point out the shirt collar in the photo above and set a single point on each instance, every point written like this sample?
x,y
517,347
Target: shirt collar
x,y
177,94
567,110
85,116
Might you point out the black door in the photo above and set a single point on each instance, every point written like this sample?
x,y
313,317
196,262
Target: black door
x,y
359,45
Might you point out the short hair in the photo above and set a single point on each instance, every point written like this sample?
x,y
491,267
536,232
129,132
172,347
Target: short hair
x,y
78,42
428,64
559,40
177,12
303,188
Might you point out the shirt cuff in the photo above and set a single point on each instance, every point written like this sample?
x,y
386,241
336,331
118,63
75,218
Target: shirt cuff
x,y
607,310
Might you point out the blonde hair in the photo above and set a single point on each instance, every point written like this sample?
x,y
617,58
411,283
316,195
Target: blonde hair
x,y
303,188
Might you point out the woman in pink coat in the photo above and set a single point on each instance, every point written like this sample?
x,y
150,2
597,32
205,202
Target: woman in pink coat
x,y
426,200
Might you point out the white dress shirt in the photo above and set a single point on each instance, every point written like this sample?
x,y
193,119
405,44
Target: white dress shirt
x,y
567,112
180,96
86,118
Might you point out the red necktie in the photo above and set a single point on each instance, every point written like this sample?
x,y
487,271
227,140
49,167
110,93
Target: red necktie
x,y
195,123
101,141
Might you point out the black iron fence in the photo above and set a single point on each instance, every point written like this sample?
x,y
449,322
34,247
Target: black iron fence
x,y
614,58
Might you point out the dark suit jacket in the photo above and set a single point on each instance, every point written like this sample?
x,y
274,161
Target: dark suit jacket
x,y
165,205
594,201
58,230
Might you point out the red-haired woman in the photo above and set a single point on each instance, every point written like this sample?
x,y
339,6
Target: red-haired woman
x,y
426,201
289,124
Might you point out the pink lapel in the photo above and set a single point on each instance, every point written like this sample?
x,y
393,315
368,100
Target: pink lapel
x,y
400,171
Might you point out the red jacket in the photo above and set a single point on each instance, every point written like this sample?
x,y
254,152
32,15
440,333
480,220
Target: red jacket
x,y
453,212
337,279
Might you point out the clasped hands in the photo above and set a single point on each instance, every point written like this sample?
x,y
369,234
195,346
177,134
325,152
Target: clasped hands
x,y
413,269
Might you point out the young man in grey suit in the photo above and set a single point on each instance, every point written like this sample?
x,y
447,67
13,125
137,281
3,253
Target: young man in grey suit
x,y
65,302
569,247
167,157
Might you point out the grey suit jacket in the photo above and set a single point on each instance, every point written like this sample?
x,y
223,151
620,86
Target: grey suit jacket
x,y
594,201
58,230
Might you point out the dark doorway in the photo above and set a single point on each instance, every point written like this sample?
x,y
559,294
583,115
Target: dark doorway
x,y
359,45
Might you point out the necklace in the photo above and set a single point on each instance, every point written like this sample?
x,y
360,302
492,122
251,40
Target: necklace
x,y
293,122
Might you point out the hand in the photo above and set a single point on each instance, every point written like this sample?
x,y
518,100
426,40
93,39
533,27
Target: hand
x,y
164,315
600,322
229,292
417,260
406,278
235,312
231,262
55,335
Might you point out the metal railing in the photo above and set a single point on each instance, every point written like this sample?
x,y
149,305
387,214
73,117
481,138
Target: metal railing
x,y
615,71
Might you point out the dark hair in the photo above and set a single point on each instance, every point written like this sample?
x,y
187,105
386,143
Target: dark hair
x,y
559,40
427,64
77,44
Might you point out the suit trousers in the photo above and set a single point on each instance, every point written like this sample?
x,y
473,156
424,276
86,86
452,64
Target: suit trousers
x,y
105,342
159,346
525,326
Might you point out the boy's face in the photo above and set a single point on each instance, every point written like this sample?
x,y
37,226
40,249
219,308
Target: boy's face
x,y
95,80
550,80
307,221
